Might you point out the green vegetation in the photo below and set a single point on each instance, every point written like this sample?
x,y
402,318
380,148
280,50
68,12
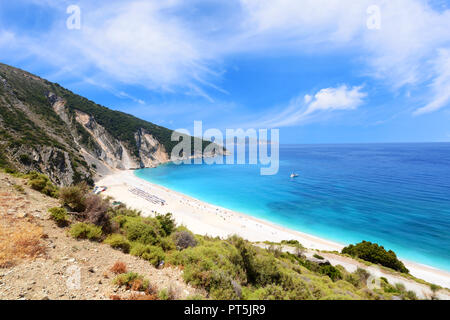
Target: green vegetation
x,y
132,280
40,182
118,241
374,253
83,230
19,188
59,215
74,196
164,294
331,271
153,254
226,269
398,290
184,239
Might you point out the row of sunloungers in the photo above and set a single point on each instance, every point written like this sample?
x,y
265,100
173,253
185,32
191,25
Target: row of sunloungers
x,y
147,196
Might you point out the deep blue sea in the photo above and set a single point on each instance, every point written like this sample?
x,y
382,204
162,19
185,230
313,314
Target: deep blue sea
x,y
397,195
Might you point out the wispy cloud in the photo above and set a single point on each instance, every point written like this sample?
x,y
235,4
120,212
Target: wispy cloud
x,y
440,85
159,44
309,108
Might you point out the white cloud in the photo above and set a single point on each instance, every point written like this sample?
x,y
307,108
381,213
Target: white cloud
x,y
440,85
411,35
308,108
139,43
169,46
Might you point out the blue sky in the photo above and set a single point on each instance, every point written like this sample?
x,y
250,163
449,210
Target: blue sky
x,y
322,71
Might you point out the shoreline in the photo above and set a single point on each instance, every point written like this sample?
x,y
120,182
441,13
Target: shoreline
x,y
207,219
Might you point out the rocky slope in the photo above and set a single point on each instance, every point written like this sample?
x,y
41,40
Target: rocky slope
x,y
46,263
47,128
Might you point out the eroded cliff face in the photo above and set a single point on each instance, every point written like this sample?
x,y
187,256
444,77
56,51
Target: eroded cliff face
x,y
151,152
107,152
47,128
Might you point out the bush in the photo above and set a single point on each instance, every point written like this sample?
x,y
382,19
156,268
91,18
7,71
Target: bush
x,y
86,231
132,280
290,242
96,212
119,267
146,231
59,215
42,183
434,288
19,188
155,255
118,241
318,256
122,210
74,196
167,223
331,271
167,244
374,253
184,240
166,294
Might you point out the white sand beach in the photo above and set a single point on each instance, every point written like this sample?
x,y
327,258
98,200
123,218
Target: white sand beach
x,y
206,219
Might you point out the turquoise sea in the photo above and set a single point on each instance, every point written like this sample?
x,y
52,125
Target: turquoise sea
x,y
397,195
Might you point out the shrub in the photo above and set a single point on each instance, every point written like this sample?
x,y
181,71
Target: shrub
x,y
118,241
122,210
119,267
410,295
166,244
145,231
42,183
184,239
434,288
290,242
86,231
59,215
318,257
132,280
166,294
96,212
19,188
155,255
331,271
374,253
212,265
74,196
167,223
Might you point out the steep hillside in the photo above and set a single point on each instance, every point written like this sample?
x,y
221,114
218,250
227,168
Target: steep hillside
x,y
48,128
39,260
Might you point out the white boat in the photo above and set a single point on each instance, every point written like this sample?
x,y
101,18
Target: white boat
x,y
294,175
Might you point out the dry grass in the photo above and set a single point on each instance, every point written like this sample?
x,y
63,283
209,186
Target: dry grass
x,y
119,267
19,239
